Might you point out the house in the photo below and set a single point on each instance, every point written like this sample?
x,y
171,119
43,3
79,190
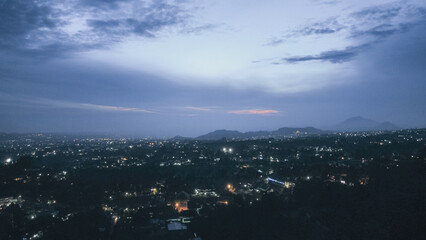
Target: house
x,y
181,202
176,226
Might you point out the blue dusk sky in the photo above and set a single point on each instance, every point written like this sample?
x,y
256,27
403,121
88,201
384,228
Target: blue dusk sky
x,y
181,67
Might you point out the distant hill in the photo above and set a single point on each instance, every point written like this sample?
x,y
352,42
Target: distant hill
x,y
363,124
219,134
180,138
282,132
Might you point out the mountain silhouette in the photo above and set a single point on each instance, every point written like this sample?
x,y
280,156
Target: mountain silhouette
x,y
364,124
282,132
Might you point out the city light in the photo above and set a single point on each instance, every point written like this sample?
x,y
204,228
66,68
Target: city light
x,y
125,190
227,150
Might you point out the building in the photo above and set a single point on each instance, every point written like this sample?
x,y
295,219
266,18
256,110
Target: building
x,y
181,202
176,226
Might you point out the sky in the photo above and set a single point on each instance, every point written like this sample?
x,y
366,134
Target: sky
x,y
180,67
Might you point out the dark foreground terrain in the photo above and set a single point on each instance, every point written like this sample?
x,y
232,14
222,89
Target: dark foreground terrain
x,y
331,186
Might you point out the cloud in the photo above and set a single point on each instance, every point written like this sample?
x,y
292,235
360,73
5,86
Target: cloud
x,y
109,108
333,2
382,12
51,28
328,26
205,109
198,29
333,56
150,20
369,27
255,112
121,28
378,21
382,21
33,102
102,3
275,42
380,31
88,106
21,21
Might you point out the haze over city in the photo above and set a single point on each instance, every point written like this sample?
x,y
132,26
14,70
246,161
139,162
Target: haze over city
x,y
166,68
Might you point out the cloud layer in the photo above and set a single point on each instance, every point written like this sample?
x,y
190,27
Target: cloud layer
x,y
52,28
173,66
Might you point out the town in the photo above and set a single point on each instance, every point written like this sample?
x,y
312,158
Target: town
x,y
334,185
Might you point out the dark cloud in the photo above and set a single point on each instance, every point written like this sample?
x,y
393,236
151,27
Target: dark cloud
x,y
380,31
383,31
21,20
31,29
381,20
377,33
382,27
377,13
373,21
333,56
37,29
102,3
104,25
150,19
328,26
320,31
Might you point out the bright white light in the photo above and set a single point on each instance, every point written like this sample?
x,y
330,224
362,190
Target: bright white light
x,y
9,160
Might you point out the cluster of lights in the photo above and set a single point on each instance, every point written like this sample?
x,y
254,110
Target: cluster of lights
x,y
227,150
